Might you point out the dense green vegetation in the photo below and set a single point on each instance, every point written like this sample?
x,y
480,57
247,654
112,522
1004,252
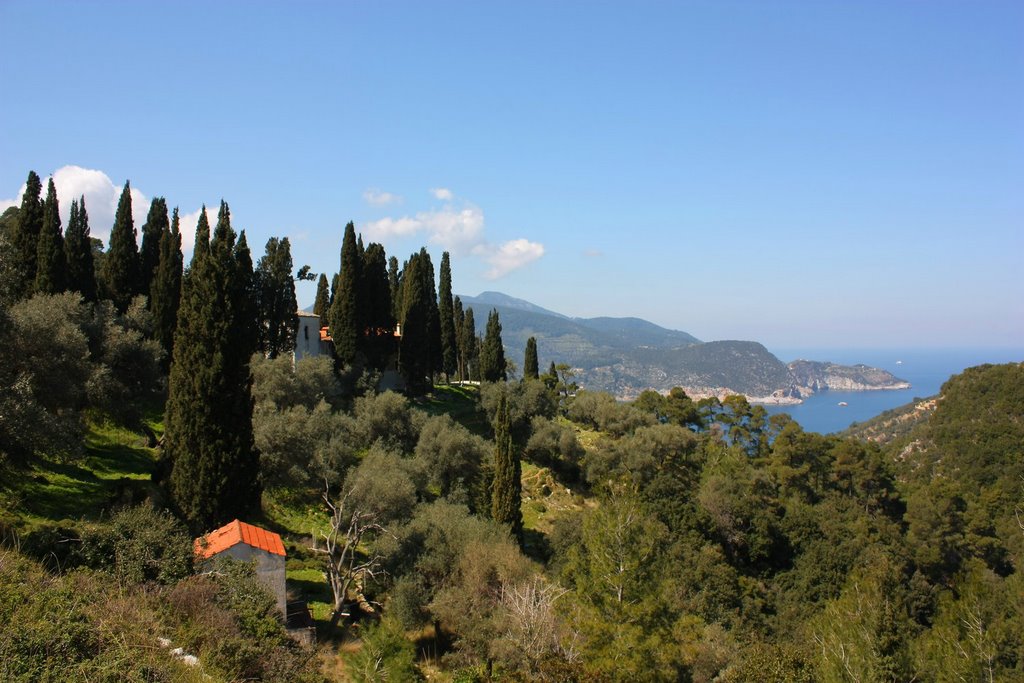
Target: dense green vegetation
x,y
507,530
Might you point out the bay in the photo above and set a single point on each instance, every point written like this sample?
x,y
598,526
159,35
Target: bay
x,y
925,369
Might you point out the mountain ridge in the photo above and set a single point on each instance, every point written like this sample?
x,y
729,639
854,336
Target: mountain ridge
x,y
625,356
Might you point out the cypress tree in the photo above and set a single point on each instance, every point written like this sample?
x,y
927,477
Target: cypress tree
x,y
275,290
121,266
152,232
395,282
51,266
323,298
459,319
165,291
414,353
214,468
492,354
446,313
25,237
433,332
379,324
345,316
531,370
470,347
246,330
81,274
506,489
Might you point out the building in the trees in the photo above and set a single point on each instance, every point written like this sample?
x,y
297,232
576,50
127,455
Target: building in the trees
x,y
311,339
247,543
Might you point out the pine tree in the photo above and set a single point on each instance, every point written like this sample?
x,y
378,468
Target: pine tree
x,y
459,319
470,347
81,273
379,324
433,335
278,317
531,370
165,291
152,231
121,266
51,266
506,489
492,353
446,313
345,318
214,468
322,303
25,237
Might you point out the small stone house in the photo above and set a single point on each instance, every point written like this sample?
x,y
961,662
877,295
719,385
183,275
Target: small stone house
x,y
249,543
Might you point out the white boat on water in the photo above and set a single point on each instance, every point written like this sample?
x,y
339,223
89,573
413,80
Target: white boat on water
x,y
843,404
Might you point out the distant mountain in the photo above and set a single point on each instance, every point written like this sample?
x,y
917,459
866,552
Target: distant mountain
x,y
625,356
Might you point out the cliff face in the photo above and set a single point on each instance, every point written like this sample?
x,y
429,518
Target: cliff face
x,y
810,377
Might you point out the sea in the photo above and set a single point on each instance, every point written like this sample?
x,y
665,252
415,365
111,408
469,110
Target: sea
x,y
925,369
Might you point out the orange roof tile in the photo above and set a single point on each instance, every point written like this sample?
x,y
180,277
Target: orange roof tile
x,y
325,334
236,532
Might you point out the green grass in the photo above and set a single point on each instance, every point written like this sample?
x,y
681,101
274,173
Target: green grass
x,y
116,469
461,402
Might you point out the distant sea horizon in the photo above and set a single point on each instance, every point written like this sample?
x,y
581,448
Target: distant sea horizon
x,y
927,369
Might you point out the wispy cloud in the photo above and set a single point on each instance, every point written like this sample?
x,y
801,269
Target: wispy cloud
x,y
510,256
380,198
593,253
458,227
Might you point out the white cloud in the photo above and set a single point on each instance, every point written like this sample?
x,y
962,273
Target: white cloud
x,y
379,198
101,197
458,228
593,253
510,256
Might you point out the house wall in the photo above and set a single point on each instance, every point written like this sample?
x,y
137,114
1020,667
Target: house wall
x,y
269,569
307,336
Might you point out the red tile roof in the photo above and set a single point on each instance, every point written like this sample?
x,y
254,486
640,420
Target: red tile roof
x,y
237,532
325,334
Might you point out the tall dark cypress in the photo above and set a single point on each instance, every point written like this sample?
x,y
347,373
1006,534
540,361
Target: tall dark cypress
x,y
323,298
275,290
25,237
81,274
459,319
51,266
414,353
345,316
531,369
433,336
379,324
121,266
395,282
446,315
492,354
149,255
506,489
245,330
165,291
470,347
214,468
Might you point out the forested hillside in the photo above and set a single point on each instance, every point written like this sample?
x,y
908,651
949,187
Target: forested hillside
x,y
475,527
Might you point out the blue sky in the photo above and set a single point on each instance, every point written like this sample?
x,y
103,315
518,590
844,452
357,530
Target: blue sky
x,y
805,174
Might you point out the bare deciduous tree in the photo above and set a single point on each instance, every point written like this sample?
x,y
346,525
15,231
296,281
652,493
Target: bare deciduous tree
x,y
348,566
